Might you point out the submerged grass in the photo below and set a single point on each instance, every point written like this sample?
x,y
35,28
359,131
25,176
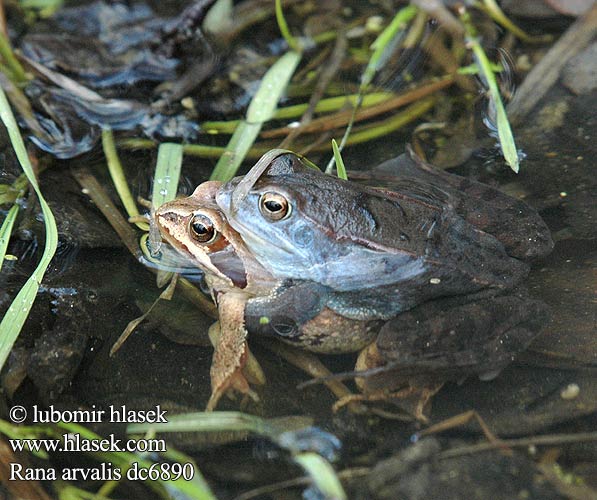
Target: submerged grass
x,y
19,309
380,52
381,46
326,105
316,466
118,177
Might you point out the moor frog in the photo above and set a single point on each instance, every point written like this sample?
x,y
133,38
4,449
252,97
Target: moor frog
x,y
196,228
436,260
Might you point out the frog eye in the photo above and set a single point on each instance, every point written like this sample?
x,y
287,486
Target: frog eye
x,y
202,229
274,206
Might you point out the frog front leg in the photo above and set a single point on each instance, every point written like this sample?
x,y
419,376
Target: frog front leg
x,y
233,368
296,314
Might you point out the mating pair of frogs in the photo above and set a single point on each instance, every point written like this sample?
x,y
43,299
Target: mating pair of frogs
x,y
420,275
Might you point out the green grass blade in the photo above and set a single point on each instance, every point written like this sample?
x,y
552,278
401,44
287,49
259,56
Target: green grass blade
x,y
340,168
261,109
398,120
241,141
381,43
167,173
19,309
505,136
322,474
492,8
378,57
165,186
284,30
6,231
324,106
118,177
272,86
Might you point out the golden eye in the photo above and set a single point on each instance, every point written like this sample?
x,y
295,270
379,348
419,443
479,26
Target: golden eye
x,y
202,229
274,206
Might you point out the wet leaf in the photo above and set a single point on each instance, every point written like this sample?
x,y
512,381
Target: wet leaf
x,y
6,230
261,109
167,173
19,309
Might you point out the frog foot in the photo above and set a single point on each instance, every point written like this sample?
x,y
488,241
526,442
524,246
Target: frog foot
x,y
235,382
412,400
409,396
233,368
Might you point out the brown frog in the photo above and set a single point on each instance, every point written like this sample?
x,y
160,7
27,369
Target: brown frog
x,y
196,228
